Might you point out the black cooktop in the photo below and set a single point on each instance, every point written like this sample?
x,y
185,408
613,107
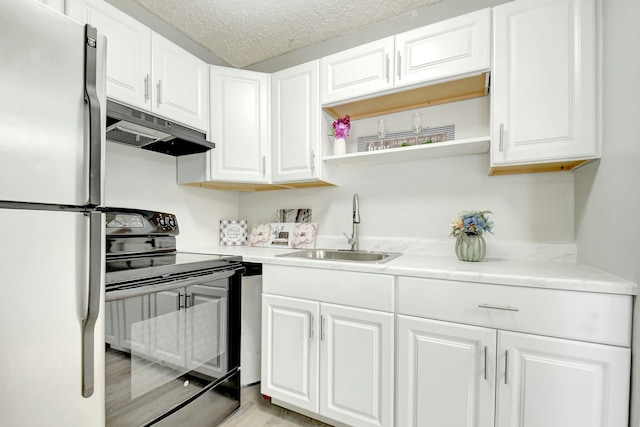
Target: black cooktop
x,y
158,265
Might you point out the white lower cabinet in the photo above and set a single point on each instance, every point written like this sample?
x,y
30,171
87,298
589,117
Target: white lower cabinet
x,y
331,360
553,382
290,350
446,374
451,373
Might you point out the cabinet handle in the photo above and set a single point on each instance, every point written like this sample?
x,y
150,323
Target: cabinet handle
x,y
485,362
386,72
180,306
311,326
264,166
159,92
501,137
313,161
186,301
146,88
506,366
321,328
498,307
398,67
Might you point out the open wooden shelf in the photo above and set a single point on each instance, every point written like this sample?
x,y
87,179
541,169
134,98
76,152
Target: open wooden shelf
x,y
441,93
459,147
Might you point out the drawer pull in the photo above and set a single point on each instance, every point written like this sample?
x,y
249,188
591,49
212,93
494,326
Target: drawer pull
x,y
499,307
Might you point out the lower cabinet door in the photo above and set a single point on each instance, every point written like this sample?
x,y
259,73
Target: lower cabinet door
x,y
547,382
290,350
356,366
446,374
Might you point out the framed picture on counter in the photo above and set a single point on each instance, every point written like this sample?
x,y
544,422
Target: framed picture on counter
x,y
284,235
233,232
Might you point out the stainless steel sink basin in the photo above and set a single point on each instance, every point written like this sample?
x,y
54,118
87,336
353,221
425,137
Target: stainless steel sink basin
x,y
344,255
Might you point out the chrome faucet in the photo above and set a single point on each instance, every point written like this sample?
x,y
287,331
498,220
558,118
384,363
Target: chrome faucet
x,y
353,240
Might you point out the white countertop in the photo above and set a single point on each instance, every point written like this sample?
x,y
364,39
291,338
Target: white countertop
x,y
528,273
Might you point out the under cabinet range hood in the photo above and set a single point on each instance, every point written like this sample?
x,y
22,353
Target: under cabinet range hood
x,y
129,126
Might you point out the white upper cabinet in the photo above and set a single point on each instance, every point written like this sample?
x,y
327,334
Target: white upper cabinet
x,y
455,48
180,84
357,72
239,125
443,50
296,113
128,51
146,71
543,84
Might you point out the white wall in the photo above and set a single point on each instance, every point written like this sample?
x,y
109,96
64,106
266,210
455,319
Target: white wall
x,y
419,199
143,179
607,194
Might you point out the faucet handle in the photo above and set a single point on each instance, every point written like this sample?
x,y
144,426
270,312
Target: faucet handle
x,y
350,240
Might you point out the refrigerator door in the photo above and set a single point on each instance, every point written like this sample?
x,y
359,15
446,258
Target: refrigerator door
x,y
44,119
44,266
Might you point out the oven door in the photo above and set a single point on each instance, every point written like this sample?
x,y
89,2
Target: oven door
x,y
166,343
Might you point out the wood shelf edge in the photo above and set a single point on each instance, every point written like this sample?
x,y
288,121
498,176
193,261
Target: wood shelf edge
x,y
563,166
401,100
253,187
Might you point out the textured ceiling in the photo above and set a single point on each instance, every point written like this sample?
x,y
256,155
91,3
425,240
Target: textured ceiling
x,y
244,32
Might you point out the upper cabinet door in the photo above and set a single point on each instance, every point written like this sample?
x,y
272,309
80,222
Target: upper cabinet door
x,y
296,123
444,50
239,125
128,51
543,82
180,84
356,72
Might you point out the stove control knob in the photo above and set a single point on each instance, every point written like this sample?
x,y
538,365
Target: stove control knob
x,y
172,222
161,221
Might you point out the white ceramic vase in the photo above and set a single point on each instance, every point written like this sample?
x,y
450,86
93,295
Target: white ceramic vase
x,y
339,147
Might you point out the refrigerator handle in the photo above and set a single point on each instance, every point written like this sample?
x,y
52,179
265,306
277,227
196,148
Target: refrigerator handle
x,y
95,116
93,302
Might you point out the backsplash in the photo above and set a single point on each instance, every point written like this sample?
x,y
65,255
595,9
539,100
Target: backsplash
x,y
496,249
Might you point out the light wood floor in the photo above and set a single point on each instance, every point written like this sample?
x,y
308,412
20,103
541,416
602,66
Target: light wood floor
x,y
258,412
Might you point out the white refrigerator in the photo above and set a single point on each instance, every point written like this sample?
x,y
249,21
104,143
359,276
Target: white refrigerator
x,y
52,94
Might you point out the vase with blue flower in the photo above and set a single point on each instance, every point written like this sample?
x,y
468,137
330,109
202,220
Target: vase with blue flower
x,y
468,228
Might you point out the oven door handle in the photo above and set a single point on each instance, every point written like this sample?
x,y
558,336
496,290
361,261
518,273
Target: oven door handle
x,y
166,286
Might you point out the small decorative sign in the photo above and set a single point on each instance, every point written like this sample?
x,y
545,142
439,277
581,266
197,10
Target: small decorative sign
x,y
284,235
233,232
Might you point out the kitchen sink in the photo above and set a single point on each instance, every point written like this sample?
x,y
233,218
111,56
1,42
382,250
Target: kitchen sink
x,y
344,255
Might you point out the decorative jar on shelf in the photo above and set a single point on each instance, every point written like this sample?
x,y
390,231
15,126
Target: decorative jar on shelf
x,y
470,247
339,146
340,131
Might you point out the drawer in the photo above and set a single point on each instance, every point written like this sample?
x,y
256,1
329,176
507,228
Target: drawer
x,y
365,290
585,316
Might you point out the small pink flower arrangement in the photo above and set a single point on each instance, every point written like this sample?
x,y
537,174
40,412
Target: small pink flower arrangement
x,y
341,127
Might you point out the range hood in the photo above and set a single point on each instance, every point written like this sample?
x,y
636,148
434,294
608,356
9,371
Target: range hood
x,y
129,126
